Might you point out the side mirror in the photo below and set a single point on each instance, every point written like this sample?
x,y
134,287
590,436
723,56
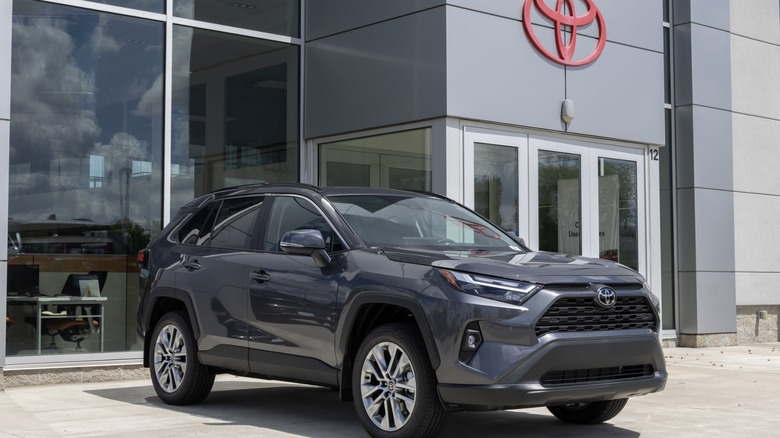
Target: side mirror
x,y
306,242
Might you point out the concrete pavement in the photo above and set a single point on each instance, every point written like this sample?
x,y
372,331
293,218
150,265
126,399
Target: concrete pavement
x,y
711,392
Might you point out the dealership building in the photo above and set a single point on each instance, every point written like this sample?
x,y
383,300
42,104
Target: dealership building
x,y
644,132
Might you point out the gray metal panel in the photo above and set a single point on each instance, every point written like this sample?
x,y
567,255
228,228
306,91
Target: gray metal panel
x,y
502,8
686,230
710,67
707,302
705,223
683,65
388,73
325,18
704,139
494,74
713,13
684,146
620,95
5,64
712,149
714,230
635,23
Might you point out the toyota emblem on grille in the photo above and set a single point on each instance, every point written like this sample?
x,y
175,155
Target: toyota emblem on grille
x,y
606,297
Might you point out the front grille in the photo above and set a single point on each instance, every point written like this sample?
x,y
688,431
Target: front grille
x,y
574,377
582,314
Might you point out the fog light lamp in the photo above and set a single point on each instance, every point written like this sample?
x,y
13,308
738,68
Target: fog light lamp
x,y
472,340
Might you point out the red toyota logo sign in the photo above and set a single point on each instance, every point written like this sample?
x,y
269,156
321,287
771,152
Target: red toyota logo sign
x,y
566,21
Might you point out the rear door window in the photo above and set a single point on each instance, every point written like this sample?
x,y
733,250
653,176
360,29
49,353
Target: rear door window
x,y
230,223
198,227
236,223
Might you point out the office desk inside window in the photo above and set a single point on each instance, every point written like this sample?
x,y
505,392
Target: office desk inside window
x,y
42,301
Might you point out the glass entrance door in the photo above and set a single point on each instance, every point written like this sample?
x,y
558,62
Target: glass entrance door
x,y
560,195
587,199
618,227
496,178
559,202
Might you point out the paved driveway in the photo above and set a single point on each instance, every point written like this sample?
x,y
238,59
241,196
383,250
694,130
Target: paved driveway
x,y
712,392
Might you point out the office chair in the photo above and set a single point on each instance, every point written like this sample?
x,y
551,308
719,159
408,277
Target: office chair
x,y
75,329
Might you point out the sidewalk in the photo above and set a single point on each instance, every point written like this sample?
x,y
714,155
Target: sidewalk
x,y
711,392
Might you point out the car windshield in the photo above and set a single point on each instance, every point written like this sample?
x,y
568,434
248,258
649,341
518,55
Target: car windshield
x,y
424,222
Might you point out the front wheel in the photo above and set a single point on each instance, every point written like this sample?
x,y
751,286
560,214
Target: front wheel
x,y
588,413
394,385
177,375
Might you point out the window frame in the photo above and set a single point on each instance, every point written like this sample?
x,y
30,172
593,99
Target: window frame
x,y
269,209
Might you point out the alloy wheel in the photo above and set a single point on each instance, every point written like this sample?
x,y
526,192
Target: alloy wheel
x,y
170,358
388,386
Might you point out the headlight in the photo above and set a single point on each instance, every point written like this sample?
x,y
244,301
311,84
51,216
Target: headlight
x,y
508,291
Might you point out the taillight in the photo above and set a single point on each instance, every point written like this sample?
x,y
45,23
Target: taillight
x,y
142,257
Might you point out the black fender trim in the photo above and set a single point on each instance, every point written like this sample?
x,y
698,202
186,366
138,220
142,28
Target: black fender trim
x,y
350,312
155,296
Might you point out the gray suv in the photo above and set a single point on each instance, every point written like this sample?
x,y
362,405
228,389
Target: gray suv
x,y
409,304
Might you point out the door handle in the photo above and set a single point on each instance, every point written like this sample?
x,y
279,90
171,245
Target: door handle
x,y
192,266
260,276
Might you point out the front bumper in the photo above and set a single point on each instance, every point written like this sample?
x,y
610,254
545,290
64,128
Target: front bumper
x,y
592,364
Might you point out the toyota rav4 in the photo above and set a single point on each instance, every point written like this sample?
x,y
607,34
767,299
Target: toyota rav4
x,y
409,304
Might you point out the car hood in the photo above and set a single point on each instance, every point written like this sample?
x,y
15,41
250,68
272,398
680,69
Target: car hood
x,y
536,267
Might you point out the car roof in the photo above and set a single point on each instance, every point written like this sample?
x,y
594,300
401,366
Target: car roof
x,y
301,189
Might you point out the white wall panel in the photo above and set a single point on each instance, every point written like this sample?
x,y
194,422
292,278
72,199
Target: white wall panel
x,y
755,69
756,19
756,154
757,233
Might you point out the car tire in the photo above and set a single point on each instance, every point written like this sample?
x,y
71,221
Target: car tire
x,y
588,413
394,385
177,375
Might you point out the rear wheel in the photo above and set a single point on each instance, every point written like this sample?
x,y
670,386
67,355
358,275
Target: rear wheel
x,y
588,413
177,375
394,385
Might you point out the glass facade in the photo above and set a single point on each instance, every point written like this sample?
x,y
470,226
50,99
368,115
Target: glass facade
x,y
234,112
87,144
144,5
399,160
272,16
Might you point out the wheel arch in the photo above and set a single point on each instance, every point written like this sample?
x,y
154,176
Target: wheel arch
x,y
165,301
368,311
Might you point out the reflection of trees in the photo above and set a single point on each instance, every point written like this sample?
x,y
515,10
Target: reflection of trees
x,y
626,173
134,235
